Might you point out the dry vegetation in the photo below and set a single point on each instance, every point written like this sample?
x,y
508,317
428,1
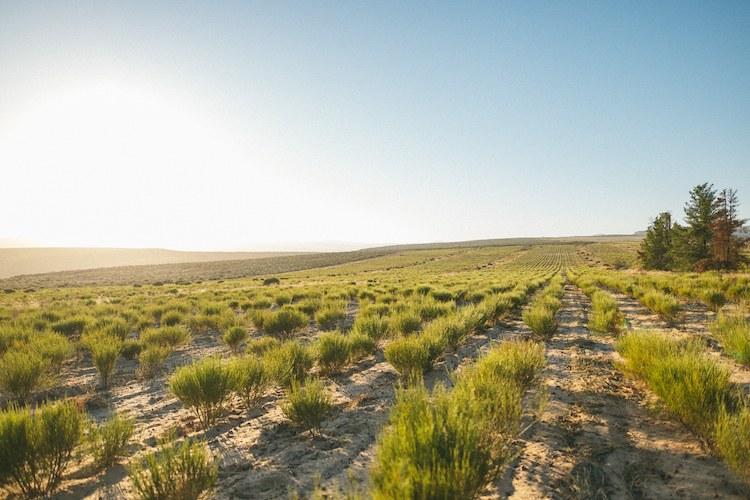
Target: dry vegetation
x,y
369,378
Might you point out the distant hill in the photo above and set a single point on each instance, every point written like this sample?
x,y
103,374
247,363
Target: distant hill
x,y
20,261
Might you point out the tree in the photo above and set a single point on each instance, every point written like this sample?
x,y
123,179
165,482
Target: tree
x,y
726,247
656,247
692,244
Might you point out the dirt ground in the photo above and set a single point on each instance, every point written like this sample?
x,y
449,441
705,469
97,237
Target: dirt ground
x,y
602,435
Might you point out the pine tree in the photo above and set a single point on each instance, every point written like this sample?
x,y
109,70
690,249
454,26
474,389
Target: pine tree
x,y
692,244
727,248
655,252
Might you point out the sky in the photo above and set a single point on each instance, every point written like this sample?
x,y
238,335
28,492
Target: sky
x,y
261,125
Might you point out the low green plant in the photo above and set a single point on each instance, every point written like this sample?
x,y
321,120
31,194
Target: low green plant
x,y
252,379
36,447
204,387
151,360
172,336
258,318
374,326
361,345
71,327
118,328
333,352
52,347
308,405
105,351
22,372
284,323
234,337
290,362
540,320
262,346
109,441
329,318
282,299
732,439
734,332
171,318
183,472
715,299
605,316
405,322
409,357
131,349
520,361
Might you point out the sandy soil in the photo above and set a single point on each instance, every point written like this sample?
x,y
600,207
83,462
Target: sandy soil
x,y
602,436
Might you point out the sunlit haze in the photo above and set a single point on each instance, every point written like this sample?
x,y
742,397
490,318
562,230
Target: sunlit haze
x,y
260,125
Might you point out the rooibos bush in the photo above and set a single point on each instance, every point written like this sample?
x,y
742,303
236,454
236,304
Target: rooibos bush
x,y
175,472
333,352
36,447
204,387
172,336
234,337
252,379
375,326
105,351
409,356
734,333
151,360
330,317
292,361
308,405
109,441
22,372
285,322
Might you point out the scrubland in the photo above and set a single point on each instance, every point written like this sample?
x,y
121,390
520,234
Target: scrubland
x,y
545,371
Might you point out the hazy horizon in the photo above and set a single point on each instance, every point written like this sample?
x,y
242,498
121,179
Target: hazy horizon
x,y
231,125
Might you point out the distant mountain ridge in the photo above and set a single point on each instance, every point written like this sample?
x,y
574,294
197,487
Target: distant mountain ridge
x,y
21,261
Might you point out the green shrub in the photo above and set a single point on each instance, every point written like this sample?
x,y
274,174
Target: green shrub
x,y
694,387
605,316
131,349
105,351
282,299
201,323
405,322
151,360
204,387
261,347
52,347
333,352
258,318
175,472
171,336
310,306
308,405
540,320
734,333
518,361
285,322
715,299
361,345
292,361
70,327
36,447
271,281
234,337
119,328
22,372
171,318
329,318
375,327
409,357
732,439
252,379
109,441
435,448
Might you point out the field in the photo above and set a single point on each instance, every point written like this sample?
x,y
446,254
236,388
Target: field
x,y
388,332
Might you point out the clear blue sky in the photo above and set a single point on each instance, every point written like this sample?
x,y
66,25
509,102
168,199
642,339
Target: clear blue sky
x,y
228,125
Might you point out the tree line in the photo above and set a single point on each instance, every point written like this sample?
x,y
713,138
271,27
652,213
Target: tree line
x,y
707,241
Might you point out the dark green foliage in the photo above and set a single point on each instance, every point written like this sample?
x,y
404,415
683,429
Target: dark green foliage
x,y
36,447
234,337
131,349
656,247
